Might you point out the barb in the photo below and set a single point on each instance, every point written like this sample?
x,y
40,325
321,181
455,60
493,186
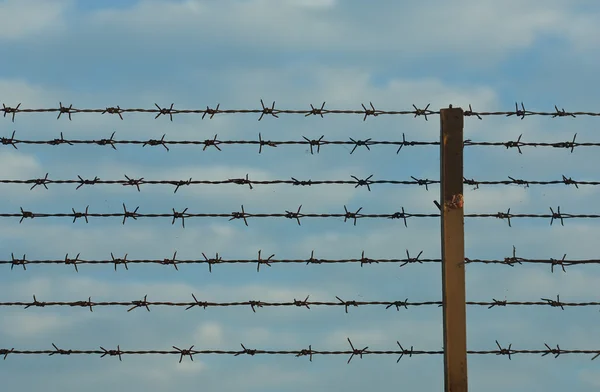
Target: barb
x,y
310,352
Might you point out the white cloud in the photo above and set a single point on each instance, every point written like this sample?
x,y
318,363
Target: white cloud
x,y
16,165
27,324
32,18
47,289
348,86
29,94
479,29
91,240
488,199
209,333
311,4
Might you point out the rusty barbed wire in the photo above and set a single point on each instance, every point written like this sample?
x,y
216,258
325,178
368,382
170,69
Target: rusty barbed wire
x,y
554,215
516,181
314,144
522,113
513,260
252,304
211,261
241,215
310,352
297,215
571,145
215,260
265,110
305,303
137,182
355,181
271,111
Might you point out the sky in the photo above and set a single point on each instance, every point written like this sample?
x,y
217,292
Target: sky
x,y
195,54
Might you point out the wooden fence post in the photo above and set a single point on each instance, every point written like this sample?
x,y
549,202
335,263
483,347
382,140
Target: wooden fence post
x,y
453,250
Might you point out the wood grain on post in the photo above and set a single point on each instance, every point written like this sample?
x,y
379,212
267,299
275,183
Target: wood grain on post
x,y
453,250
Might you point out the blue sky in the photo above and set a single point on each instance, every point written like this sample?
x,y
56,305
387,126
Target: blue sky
x,y
294,52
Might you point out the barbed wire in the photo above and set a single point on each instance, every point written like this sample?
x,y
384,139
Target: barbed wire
x,y
241,215
137,182
314,144
355,181
215,260
310,352
271,111
571,145
297,215
253,304
516,181
211,112
554,215
260,261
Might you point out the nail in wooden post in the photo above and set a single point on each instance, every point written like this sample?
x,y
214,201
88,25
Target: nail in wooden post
x,y
453,250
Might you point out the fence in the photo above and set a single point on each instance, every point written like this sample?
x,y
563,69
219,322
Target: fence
x,y
449,210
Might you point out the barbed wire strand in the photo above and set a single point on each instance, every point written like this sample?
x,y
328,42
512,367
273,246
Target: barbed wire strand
x,y
253,304
213,260
310,352
267,262
314,144
271,111
297,215
355,181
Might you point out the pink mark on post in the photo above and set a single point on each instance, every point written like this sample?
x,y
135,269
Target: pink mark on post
x,y
456,202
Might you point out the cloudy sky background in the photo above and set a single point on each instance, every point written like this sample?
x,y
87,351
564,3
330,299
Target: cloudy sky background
x,y
294,52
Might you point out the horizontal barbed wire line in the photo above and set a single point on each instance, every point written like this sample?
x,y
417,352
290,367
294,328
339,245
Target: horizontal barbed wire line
x,y
243,215
510,261
215,260
271,111
513,260
571,145
137,182
211,112
214,142
356,182
310,352
305,303
253,304
314,144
